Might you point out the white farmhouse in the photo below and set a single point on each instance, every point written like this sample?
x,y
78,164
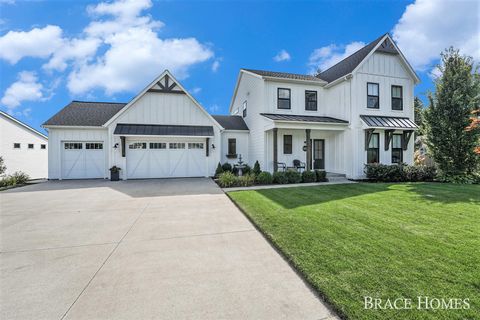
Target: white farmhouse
x,y
358,111
22,147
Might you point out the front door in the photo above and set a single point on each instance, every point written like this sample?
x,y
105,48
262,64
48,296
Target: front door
x,y
319,154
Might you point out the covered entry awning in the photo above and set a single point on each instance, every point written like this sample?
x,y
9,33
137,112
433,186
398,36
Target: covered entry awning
x,y
125,129
386,122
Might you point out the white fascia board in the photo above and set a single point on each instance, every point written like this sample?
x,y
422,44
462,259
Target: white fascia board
x,y
74,127
234,130
402,57
26,126
339,80
152,84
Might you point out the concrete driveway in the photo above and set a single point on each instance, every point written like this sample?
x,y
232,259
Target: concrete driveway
x,y
151,249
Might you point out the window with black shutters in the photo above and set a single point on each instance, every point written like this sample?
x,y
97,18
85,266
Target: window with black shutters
x,y
373,97
373,149
283,98
311,100
397,98
232,147
397,151
287,144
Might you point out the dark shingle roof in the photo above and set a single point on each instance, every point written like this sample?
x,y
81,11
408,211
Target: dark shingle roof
x,y
163,130
388,122
82,113
284,75
292,117
231,122
348,64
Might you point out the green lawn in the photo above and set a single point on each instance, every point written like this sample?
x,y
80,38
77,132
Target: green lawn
x,y
379,240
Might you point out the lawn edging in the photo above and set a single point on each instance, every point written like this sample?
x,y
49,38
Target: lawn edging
x,y
303,276
292,185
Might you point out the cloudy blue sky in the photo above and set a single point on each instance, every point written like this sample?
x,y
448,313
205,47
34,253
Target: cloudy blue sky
x,y
52,52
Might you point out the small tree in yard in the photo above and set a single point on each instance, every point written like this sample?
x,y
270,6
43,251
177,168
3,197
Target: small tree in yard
x,y
3,167
456,95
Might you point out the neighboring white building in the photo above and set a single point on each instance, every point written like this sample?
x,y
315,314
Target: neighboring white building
x,y
23,148
358,111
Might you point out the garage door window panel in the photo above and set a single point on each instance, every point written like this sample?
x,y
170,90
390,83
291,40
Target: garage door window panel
x,y
94,146
73,146
176,145
158,145
195,146
138,145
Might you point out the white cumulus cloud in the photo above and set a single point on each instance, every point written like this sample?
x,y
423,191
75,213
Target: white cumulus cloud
x,y
215,65
26,88
427,27
283,55
38,43
325,57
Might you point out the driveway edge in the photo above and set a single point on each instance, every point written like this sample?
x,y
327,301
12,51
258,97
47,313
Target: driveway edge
x,y
334,312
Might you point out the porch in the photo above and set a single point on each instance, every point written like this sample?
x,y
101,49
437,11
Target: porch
x,y
305,143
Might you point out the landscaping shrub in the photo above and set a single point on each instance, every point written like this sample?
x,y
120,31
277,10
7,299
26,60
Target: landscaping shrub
x,y
321,175
280,177
219,170
227,167
247,169
309,176
264,178
293,176
399,172
246,180
256,168
227,179
3,168
14,179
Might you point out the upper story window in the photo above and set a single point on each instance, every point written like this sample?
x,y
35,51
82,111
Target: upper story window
x,y
373,100
287,144
244,108
397,98
16,146
43,146
310,100
30,146
373,150
283,98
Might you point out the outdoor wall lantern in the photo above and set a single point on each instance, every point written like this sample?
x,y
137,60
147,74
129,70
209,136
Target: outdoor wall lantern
x,y
115,146
213,146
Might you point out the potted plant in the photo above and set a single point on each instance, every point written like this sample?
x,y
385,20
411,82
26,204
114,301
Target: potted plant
x,y
115,173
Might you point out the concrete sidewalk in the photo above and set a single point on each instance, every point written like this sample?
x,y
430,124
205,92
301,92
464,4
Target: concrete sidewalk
x,y
163,249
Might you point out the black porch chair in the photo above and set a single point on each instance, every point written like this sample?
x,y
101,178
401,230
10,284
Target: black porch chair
x,y
299,165
281,166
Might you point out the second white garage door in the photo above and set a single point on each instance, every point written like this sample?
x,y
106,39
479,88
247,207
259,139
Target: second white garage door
x,y
166,159
83,160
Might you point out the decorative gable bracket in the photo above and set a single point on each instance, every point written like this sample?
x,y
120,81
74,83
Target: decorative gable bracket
x,y
164,86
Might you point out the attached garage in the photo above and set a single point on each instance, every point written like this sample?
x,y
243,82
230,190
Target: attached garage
x,y
166,158
83,160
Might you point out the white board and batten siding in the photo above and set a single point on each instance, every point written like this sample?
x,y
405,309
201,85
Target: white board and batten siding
x,y
31,160
77,163
165,109
241,138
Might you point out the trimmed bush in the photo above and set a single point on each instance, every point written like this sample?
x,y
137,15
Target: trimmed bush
x,y
256,168
293,176
399,172
309,176
227,179
219,170
264,178
280,177
227,167
321,175
246,180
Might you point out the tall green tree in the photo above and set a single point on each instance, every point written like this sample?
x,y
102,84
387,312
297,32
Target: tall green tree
x,y
448,115
418,115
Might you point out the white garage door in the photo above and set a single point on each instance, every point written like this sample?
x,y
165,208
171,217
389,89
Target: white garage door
x,y
83,160
166,159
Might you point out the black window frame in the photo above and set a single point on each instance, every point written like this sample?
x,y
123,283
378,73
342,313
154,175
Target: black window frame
x,y
396,98
244,107
30,146
195,145
232,147
397,151
176,145
43,146
375,150
94,145
73,146
284,99
287,145
372,96
17,145
307,101
157,145
137,145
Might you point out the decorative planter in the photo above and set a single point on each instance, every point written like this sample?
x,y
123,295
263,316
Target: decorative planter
x,y
114,175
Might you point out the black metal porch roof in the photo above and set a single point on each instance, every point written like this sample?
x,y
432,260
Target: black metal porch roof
x,y
302,118
388,122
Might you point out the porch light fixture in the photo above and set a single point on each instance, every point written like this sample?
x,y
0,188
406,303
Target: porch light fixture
x,y
213,146
115,146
